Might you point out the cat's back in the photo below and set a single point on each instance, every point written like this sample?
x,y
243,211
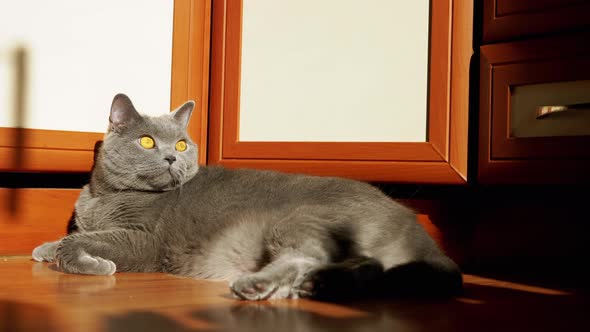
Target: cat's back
x,y
221,186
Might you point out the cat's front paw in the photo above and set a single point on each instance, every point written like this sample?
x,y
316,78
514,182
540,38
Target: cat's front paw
x,y
45,252
253,288
83,263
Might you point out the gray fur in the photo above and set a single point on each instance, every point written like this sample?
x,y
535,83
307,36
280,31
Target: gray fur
x,y
267,233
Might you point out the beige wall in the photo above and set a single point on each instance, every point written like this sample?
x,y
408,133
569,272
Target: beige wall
x,y
334,70
81,54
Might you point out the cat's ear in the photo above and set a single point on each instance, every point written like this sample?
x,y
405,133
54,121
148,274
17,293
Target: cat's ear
x,y
183,113
123,113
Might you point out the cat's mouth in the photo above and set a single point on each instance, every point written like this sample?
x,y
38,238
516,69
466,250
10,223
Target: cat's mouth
x,y
169,177
160,179
175,177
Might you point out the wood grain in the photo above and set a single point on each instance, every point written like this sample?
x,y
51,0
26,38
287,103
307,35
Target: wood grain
x,y
34,296
51,139
44,160
387,171
190,65
29,217
46,150
332,151
439,74
461,56
218,35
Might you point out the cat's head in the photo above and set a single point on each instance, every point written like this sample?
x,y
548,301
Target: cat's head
x,y
147,153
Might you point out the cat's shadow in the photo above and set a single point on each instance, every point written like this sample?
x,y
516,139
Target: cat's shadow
x,y
479,308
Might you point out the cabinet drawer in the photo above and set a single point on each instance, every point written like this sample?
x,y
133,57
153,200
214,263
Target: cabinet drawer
x,y
509,19
519,144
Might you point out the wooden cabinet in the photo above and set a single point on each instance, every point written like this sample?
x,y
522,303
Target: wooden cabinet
x,y
520,80
440,158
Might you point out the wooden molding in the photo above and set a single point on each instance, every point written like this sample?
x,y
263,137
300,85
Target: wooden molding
x,y
190,65
29,217
446,148
46,150
439,73
461,55
216,94
373,171
435,149
332,151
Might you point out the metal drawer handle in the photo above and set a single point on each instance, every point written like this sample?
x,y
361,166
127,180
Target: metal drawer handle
x,y
545,111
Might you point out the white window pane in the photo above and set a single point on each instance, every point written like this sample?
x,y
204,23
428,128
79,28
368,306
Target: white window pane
x,y
334,70
81,53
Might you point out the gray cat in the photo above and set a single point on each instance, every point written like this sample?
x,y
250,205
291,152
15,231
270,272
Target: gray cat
x,y
150,208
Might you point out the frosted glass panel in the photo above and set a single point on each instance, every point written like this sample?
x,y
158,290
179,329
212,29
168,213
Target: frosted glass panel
x,y
81,54
334,70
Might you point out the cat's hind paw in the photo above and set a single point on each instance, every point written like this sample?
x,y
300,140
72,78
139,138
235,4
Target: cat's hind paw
x,y
251,287
350,279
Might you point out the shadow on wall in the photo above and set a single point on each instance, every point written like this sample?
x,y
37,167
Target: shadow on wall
x,y
21,68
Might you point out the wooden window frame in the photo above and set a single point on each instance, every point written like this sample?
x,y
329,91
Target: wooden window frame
x,y
35,150
442,159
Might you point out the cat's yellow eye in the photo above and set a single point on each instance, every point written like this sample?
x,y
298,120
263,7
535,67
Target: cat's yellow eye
x,y
147,142
181,146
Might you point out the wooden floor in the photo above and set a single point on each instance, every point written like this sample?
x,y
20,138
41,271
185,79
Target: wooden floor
x,y
34,296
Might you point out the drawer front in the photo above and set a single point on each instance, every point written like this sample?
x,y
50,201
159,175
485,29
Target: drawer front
x,y
550,109
521,139
509,19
